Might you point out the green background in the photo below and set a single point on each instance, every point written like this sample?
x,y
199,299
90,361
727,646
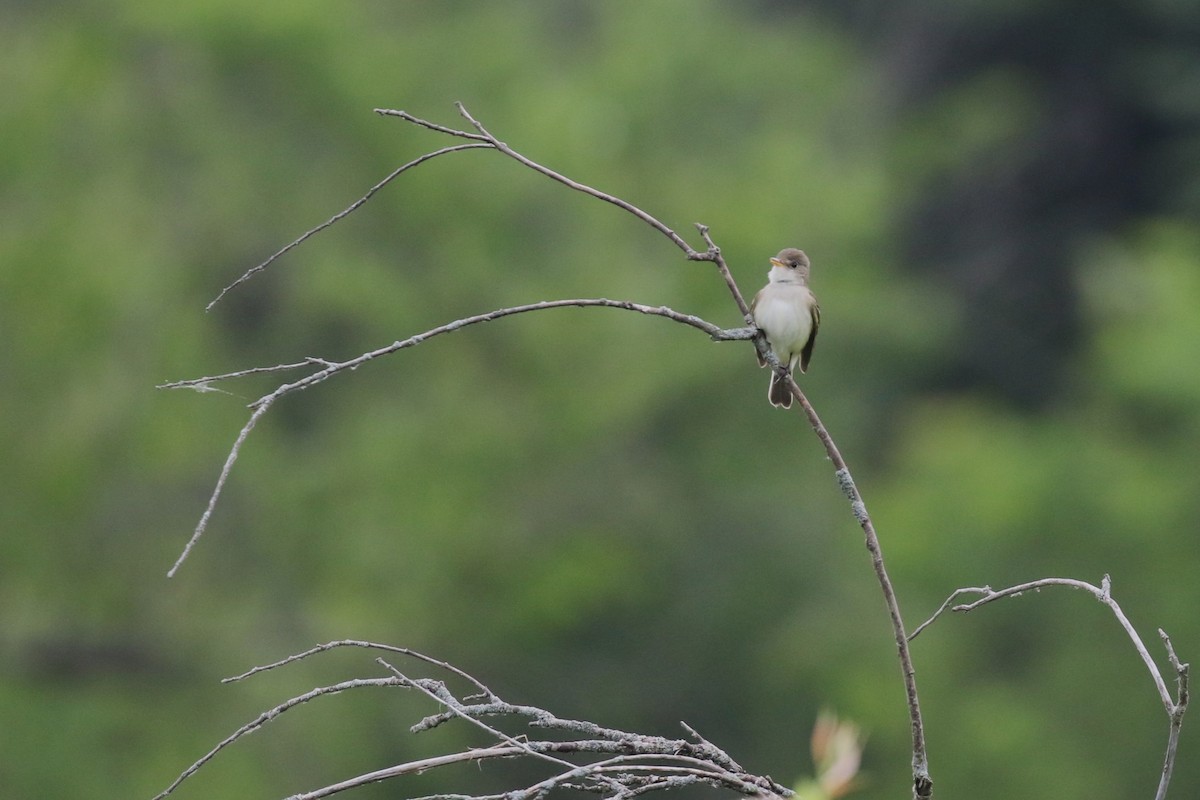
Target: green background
x,y
593,511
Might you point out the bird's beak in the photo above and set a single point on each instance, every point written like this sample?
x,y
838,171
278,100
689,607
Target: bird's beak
x,y
776,262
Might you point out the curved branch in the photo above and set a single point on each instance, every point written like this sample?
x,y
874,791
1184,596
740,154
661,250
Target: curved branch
x,y
265,717
230,460
338,216
331,368
410,768
922,780
1175,707
582,187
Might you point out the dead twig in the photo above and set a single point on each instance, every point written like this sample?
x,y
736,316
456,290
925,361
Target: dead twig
x,y
248,274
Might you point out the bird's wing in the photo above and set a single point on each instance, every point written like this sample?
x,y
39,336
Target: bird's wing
x,y
753,305
806,351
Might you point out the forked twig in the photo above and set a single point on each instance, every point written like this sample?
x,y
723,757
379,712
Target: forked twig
x,y
485,136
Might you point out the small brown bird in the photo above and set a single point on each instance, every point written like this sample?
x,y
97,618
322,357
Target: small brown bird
x,y
787,313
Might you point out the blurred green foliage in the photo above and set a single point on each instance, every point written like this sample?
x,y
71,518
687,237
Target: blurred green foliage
x,y
592,511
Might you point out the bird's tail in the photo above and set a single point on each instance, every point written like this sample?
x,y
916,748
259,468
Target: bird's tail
x,y
780,392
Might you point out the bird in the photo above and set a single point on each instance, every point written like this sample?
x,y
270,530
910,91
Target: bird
x,y
786,311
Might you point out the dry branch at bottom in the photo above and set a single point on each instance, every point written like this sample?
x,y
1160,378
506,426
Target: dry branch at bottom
x,y
608,762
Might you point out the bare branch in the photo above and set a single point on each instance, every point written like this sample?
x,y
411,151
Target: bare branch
x,y
945,605
205,384
387,648
331,368
409,768
340,215
1101,593
433,126
922,780
588,190
1181,693
265,717
1175,707
230,460
439,693
714,752
714,254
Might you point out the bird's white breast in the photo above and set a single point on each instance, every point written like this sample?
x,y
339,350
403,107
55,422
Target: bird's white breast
x,y
783,311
